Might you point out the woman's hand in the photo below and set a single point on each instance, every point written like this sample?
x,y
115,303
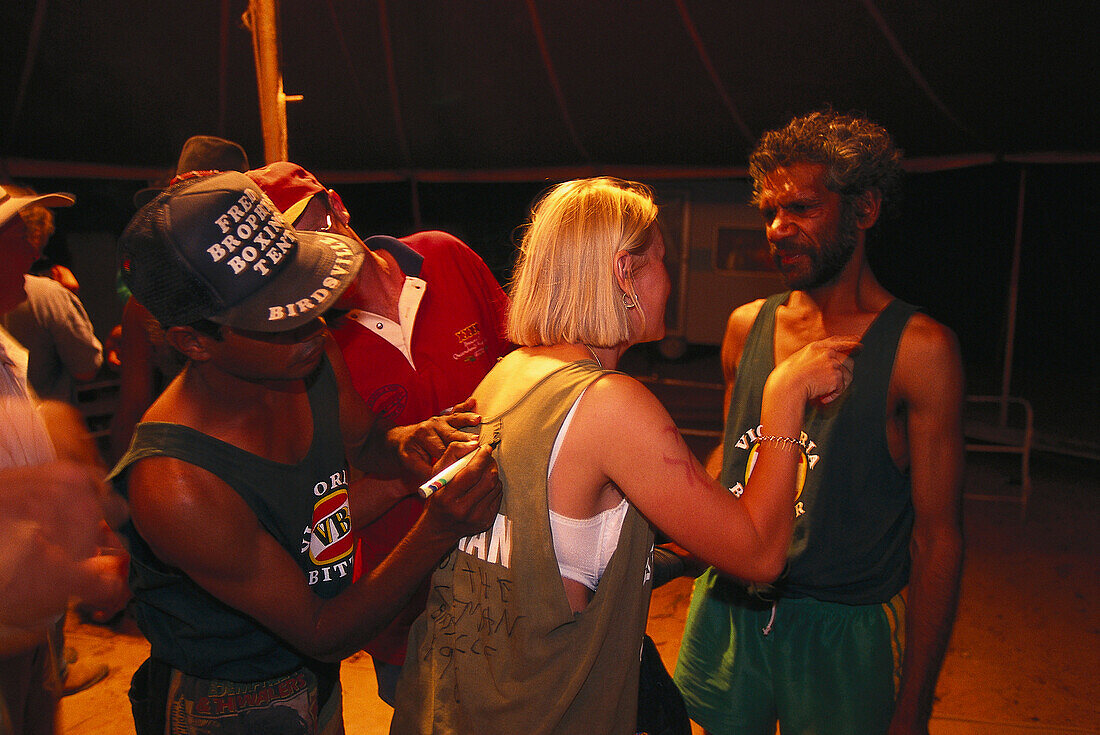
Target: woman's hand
x,y
821,370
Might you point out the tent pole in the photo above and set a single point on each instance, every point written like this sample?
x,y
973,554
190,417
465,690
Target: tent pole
x,y
1013,294
262,21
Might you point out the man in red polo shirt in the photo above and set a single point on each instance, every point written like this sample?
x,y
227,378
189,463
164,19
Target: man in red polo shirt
x,y
425,323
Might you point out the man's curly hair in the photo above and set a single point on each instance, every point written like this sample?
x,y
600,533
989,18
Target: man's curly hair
x,y
37,219
858,154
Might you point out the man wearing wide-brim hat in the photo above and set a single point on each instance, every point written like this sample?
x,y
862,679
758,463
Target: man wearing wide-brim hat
x,y
51,503
201,153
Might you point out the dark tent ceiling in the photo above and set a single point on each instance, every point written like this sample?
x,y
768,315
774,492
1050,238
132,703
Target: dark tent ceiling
x,y
97,96
481,85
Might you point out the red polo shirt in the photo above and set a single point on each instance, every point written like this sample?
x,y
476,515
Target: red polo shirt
x,y
457,337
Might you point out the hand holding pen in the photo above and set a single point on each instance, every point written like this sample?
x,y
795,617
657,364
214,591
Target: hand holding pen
x,y
465,495
448,473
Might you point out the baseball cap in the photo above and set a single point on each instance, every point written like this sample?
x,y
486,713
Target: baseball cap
x,y
215,247
201,153
291,188
13,204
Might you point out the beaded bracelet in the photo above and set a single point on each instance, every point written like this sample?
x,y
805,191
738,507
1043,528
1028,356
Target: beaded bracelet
x,y
781,440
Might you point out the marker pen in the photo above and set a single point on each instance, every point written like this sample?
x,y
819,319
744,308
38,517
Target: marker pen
x,y
445,475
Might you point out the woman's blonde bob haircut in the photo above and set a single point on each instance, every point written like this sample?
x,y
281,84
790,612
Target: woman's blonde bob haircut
x,y
563,287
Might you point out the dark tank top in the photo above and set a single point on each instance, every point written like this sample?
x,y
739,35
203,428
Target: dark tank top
x,y
304,506
854,511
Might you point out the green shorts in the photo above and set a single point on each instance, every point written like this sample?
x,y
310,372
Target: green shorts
x,y
823,667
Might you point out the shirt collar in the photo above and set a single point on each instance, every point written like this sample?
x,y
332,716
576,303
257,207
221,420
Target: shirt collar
x,y
407,259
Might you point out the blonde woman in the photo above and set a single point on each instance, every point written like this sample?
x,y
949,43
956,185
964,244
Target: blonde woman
x,y
535,626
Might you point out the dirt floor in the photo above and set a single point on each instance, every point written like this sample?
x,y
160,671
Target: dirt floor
x,y
1023,658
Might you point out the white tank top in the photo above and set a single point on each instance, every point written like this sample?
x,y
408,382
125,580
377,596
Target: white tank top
x,y
583,546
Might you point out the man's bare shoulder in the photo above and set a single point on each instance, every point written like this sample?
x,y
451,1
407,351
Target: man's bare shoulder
x,y
181,509
738,324
741,319
924,337
928,353
167,487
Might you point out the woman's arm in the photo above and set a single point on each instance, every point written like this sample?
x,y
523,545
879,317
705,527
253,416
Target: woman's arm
x,y
649,462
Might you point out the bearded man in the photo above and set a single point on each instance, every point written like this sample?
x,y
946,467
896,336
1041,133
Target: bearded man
x,y
850,639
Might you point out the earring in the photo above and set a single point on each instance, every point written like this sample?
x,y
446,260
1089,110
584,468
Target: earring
x,y
627,301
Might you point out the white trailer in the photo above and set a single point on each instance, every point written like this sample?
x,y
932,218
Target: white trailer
x,y
717,257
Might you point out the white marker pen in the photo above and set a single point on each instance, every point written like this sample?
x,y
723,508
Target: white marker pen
x,y
445,475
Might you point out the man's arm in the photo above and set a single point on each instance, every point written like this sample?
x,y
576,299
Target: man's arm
x,y
108,593
73,336
733,343
69,434
375,446
185,514
929,377
50,518
136,392
53,523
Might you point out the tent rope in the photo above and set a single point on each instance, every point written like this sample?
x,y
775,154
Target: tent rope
x,y
914,72
34,37
391,81
540,37
719,87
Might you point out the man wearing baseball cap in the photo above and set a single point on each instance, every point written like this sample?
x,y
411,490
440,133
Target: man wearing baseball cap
x,y
243,517
424,323
145,363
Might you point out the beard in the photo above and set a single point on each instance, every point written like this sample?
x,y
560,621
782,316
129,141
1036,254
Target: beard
x,y
827,261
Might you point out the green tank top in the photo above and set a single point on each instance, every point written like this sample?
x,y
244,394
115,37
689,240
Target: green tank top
x,y
303,506
498,649
854,510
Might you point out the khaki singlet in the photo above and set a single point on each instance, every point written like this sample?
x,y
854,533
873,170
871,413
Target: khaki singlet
x,y
498,649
